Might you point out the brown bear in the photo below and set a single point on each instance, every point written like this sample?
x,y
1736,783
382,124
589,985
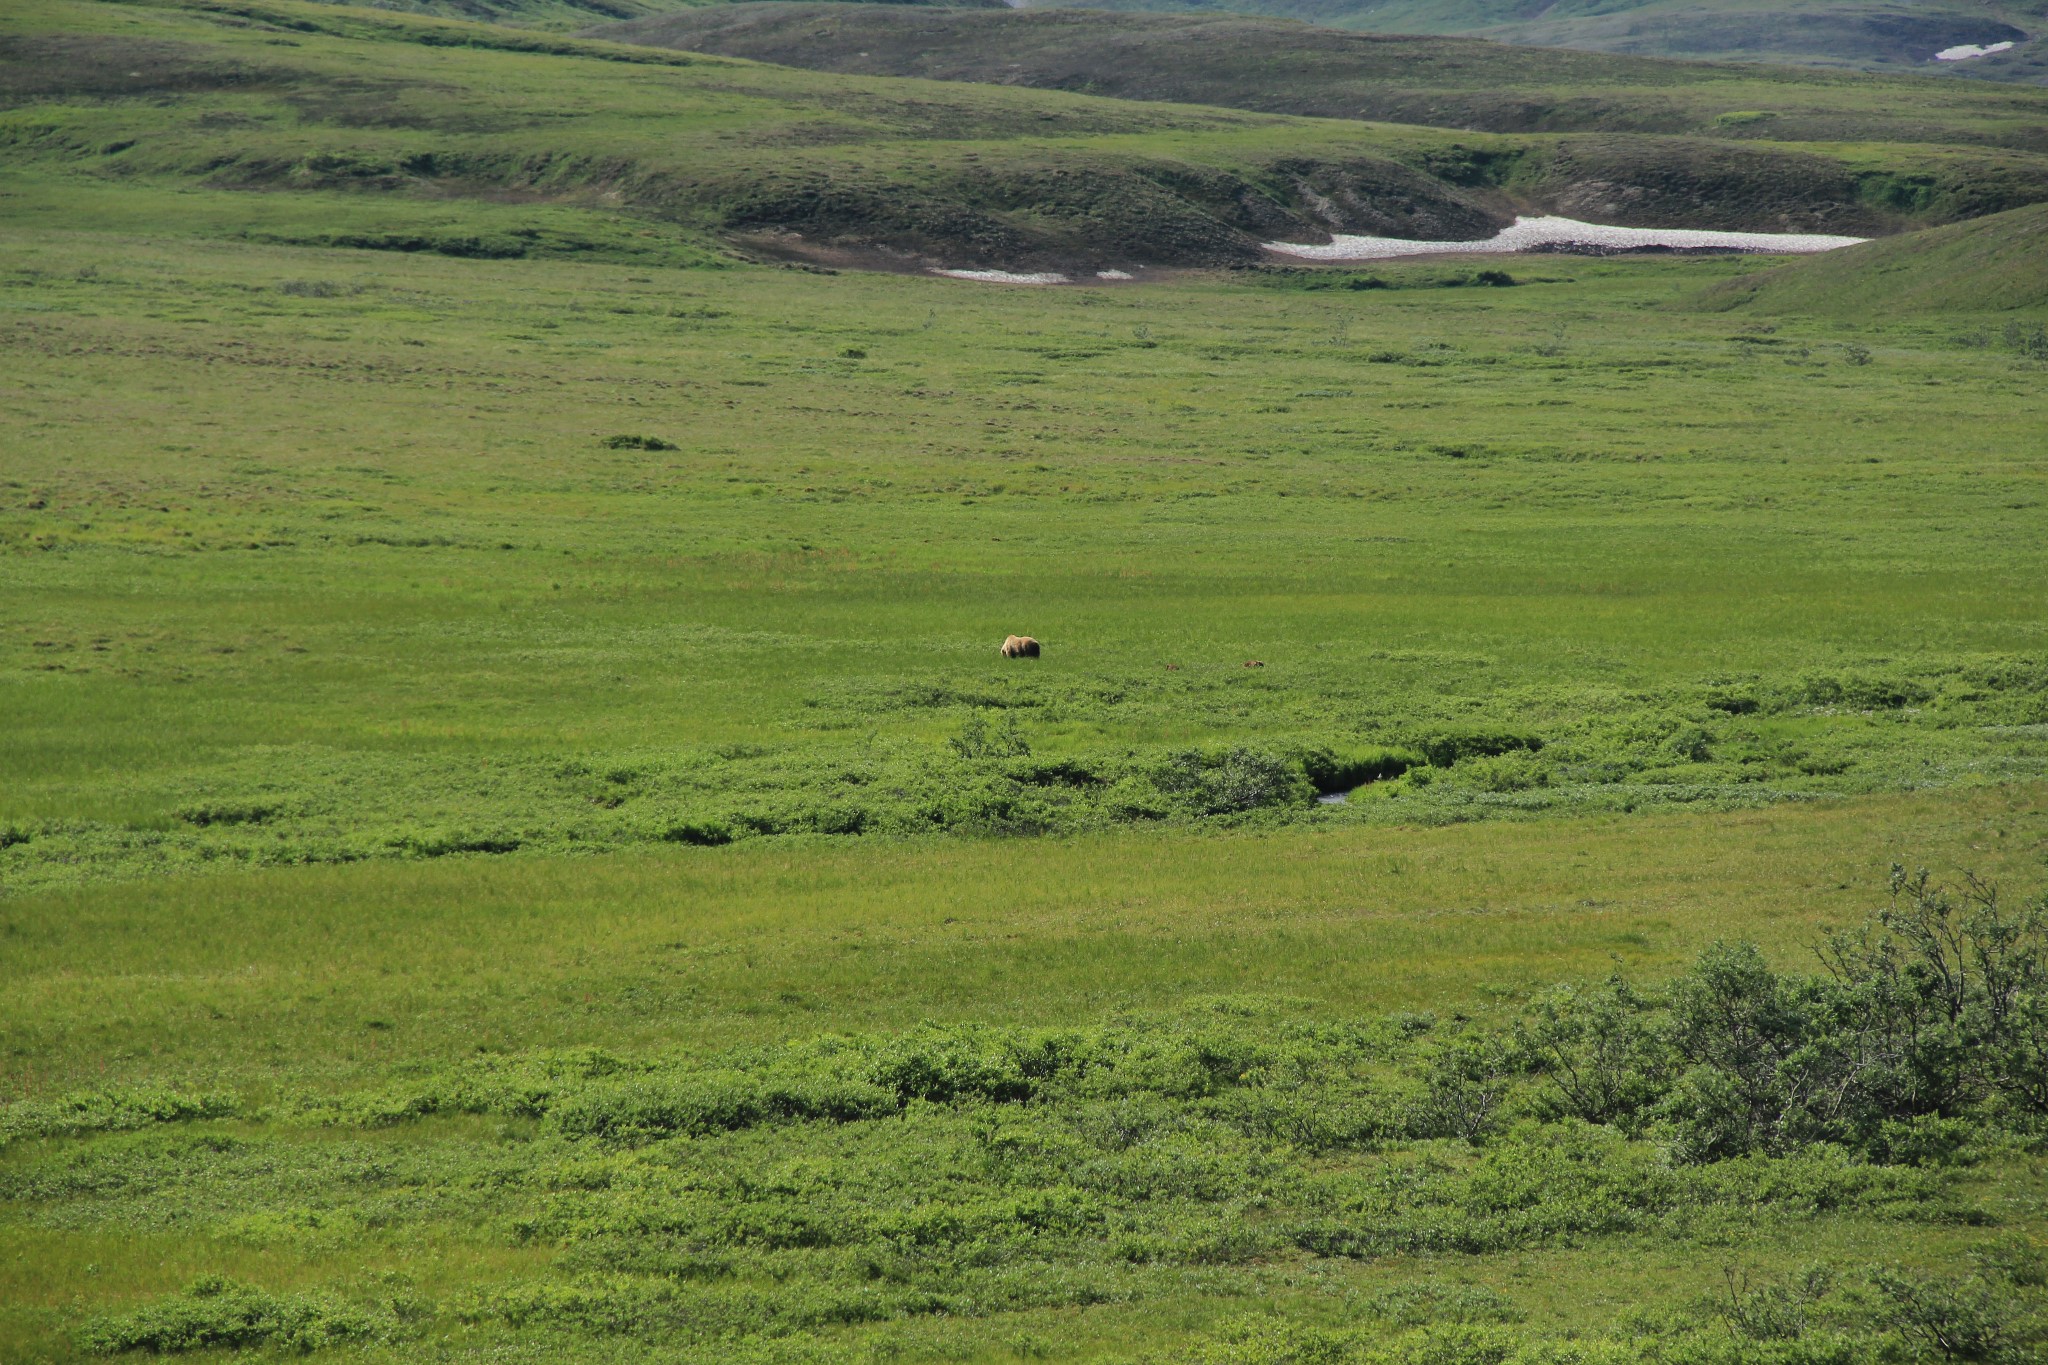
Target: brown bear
x,y
1020,647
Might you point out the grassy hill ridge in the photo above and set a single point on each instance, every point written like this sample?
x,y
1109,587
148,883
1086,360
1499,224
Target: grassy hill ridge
x,y
1988,265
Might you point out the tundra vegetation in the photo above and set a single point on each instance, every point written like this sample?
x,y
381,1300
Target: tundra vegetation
x,y
516,839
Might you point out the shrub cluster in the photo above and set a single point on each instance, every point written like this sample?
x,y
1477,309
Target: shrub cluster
x,y
970,1170
1934,1011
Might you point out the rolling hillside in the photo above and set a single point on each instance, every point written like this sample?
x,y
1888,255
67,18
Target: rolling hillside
x,y
1274,66
387,131
1989,265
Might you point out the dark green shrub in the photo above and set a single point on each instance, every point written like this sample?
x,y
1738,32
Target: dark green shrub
x,y
1234,781
227,813
1946,999
705,833
442,843
1344,770
1736,1027
637,443
1066,772
940,1065
1444,748
646,1107
218,1313
111,1111
2030,339
1855,692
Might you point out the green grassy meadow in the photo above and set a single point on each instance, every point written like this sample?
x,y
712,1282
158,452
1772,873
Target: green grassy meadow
x,y
1589,550
516,841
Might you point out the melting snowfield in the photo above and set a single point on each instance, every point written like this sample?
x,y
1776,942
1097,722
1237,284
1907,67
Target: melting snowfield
x,y
1540,234
1527,234
1017,277
1962,52
1004,276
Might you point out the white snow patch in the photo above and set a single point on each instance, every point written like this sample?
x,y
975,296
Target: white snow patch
x,y
1004,276
1962,52
1527,234
1114,275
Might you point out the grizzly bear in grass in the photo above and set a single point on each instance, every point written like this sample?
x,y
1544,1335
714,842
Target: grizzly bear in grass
x,y
1020,647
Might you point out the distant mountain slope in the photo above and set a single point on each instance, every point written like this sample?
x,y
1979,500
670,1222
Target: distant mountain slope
x,y
1275,66
1992,264
538,14
568,14
1867,34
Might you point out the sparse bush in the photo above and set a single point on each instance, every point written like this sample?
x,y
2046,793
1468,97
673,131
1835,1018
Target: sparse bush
x,y
1428,1301
1606,1060
2029,339
1776,1311
1464,1079
978,741
1966,1318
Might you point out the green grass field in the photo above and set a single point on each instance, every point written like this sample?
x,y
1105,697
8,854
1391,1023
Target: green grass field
x,y
516,841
